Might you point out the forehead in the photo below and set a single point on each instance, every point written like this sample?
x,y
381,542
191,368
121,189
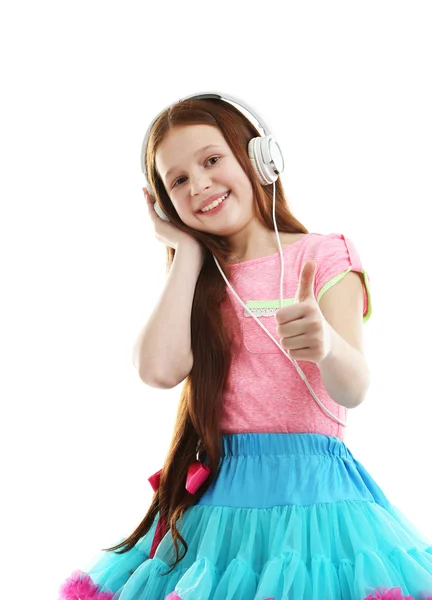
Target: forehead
x,y
183,143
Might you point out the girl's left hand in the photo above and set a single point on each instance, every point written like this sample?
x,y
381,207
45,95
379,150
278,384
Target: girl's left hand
x,y
302,327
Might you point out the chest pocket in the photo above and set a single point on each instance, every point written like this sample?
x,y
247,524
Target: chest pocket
x,y
254,338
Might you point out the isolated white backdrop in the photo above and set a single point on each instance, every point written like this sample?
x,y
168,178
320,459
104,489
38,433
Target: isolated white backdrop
x,y
346,90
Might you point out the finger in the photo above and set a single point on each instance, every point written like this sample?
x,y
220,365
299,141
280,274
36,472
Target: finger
x,y
299,342
307,276
149,200
289,314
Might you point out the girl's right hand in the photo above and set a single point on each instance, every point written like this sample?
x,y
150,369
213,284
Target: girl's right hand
x,y
165,231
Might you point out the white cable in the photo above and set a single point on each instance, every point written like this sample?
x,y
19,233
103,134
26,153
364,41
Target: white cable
x,y
298,369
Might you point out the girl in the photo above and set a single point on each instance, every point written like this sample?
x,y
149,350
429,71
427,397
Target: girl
x,y
259,497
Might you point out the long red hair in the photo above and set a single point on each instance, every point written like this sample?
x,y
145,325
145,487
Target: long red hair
x,y
200,404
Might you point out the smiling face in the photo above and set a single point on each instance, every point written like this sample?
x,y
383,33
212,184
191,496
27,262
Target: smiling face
x,y
196,164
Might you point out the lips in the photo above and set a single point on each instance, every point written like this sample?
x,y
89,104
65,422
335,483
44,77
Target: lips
x,y
210,200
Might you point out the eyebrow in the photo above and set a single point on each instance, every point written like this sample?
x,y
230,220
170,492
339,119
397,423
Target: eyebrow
x,y
196,153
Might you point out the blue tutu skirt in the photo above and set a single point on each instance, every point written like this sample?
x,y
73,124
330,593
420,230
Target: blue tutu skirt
x,y
289,517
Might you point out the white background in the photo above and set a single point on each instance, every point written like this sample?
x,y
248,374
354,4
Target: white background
x,y
346,89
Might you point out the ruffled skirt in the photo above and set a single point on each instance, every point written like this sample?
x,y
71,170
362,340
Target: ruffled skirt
x,y
289,517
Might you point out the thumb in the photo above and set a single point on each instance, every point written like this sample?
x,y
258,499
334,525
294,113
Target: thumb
x,y
305,288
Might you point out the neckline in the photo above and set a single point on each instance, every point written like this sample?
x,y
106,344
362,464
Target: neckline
x,y
254,261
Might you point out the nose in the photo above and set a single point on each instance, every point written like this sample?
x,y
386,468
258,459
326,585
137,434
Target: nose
x,y
199,181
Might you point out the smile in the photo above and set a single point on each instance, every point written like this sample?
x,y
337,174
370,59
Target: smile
x,y
213,206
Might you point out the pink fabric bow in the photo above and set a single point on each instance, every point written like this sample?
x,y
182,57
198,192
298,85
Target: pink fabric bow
x,y
79,586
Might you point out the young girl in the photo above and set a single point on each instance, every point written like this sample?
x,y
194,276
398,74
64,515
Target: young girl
x,y
259,497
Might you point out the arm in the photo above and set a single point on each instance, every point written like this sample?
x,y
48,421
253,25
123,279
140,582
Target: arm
x,y
162,353
345,372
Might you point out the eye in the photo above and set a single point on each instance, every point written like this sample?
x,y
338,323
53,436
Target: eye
x,y
176,182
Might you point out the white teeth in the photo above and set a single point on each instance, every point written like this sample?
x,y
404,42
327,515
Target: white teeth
x,y
215,203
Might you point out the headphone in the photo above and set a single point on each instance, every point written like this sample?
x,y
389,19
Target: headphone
x,y
264,151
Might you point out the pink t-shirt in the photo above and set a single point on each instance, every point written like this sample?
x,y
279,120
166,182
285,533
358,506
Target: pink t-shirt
x,y
263,391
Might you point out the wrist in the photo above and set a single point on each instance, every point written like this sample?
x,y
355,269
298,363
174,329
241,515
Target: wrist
x,y
191,249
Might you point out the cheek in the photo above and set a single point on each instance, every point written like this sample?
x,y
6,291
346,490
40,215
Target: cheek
x,y
236,174
184,210
243,180
179,202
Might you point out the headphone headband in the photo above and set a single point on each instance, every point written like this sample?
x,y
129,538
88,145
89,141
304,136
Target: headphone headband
x,y
201,96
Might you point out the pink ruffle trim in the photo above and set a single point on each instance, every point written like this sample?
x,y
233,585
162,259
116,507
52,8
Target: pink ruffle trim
x,y
174,596
80,586
382,593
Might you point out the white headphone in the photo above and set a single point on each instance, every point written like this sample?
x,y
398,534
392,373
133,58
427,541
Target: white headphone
x,y
267,161
264,152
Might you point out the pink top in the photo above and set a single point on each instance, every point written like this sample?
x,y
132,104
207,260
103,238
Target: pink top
x,y
263,391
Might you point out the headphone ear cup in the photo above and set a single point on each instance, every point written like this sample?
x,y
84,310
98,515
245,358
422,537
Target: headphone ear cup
x,y
160,213
255,160
158,209
266,158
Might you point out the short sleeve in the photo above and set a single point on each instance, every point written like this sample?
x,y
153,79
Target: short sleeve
x,y
336,256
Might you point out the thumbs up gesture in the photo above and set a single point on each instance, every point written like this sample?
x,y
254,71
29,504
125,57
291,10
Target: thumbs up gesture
x,y
302,328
